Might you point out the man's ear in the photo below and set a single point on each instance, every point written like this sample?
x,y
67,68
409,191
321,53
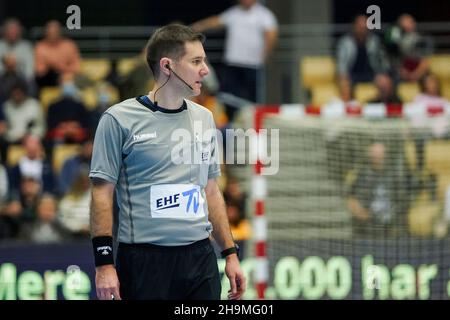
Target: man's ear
x,y
163,63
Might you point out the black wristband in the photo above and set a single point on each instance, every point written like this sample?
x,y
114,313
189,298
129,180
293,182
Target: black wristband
x,y
103,250
229,251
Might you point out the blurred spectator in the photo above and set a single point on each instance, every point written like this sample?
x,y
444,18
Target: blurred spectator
x,y
430,97
32,165
56,57
386,90
23,204
9,77
252,31
345,91
409,49
360,55
104,101
67,118
9,223
430,94
74,166
240,227
233,193
208,99
74,206
4,185
46,228
8,227
23,115
372,199
218,110
21,50
137,81
235,200
346,97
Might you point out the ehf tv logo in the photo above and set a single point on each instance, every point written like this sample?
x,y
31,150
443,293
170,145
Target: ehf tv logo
x,y
174,200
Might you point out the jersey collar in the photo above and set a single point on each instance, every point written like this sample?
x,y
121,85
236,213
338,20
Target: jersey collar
x,y
144,100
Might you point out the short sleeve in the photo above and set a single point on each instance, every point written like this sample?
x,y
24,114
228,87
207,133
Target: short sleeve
x,y
107,151
226,16
270,21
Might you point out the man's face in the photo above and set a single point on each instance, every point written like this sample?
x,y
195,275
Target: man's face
x,y
47,209
30,186
384,84
360,27
17,95
432,85
192,68
12,32
377,153
407,23
247,3
53,31
32,147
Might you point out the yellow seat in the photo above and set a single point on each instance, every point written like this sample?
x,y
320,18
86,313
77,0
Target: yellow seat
x,y
49,95
440,66
365,92
317,70
90,95
407,91
95,69
445,89
14,153
323,93
114,95
422,215
61,153
125,65
410,154
437,160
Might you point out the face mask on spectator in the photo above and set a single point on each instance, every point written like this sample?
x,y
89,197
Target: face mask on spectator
x,y
69,90
103,98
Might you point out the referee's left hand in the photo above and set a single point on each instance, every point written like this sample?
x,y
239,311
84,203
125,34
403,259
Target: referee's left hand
x,y
236,276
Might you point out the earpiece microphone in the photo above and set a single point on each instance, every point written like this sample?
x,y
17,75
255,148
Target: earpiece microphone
x,y
175,74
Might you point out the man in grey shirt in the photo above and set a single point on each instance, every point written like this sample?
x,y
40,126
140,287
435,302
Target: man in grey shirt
x,y
160,154
12,43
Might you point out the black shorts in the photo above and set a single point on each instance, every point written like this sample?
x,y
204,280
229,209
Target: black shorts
x,y
152,272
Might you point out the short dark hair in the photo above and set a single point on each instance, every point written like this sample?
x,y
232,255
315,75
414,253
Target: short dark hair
x,y
19,84
168,41
423,80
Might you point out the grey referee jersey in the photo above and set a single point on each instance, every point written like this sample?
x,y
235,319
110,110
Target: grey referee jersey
x,y
160,172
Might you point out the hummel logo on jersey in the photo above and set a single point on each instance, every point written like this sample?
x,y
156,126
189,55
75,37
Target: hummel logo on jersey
x,y
144,136
105,250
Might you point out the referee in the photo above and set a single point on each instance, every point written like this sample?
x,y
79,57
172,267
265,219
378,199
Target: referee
x,y
167,208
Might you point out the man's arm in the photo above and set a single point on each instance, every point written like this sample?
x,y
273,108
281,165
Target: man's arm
x,y
40,65
106,280
357,210
222,234
270,37
210,23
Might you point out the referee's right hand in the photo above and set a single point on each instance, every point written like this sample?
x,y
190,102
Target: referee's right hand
x,y
107,283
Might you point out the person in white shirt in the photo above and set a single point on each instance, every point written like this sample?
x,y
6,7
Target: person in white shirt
x,y
252,31
430,92
23,115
